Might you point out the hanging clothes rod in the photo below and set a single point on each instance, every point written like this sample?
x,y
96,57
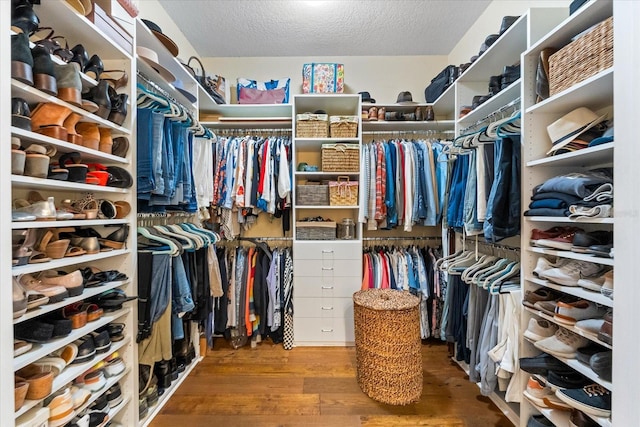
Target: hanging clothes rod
x,y
493,245
409,132
264,239
384,239
499,111
151,85
252,132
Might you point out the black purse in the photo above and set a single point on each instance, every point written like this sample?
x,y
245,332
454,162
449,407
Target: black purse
x,y
213,85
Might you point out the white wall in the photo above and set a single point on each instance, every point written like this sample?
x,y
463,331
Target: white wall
x,y
383,76
489,23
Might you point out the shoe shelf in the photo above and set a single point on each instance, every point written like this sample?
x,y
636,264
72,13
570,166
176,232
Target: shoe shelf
x,y
557,417
445,105
162,400
582,368
576,291
21,181
316,143
34,96
66,147
244,111
113,412
565,219
500,99
109,382
78,28
39,351
71,372
573,329
596,92
505,51
572,255
320,174
19,225
511,410
67,261
587,157
383,125
86,294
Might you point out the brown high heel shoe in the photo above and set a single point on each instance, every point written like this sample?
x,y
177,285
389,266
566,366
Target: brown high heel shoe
x,y
106,142
107,75
90,135
48,119
70,124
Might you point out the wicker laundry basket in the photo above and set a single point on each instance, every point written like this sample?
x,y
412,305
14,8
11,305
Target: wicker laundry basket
x,y
388,353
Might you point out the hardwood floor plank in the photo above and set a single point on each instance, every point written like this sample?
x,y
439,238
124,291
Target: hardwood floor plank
x,y
331,385
244,404
409,421
264,420
206,384
359,404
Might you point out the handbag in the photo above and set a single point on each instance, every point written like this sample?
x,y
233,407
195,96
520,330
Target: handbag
x,y
214,85
266,86
256,96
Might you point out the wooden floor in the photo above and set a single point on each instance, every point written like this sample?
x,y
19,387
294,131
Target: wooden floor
x,y
316,386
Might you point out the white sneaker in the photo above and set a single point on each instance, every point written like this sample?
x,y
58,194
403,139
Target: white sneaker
x,y
607,286
563,344
536,391
544,264
539,329
590,326
569,313
569,273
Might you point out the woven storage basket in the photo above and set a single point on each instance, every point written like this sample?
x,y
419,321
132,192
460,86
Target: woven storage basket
x,y
312,125
312,195
343,192
344,126
388,346
310,230
582,58
340,157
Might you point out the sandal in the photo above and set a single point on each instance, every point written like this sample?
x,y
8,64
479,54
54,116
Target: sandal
x,y
56,249
38,257
74,251
24,240
87,206
116,84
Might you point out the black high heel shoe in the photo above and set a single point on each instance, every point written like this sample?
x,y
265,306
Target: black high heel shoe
x,y
80,56
94,67
117,239
99,95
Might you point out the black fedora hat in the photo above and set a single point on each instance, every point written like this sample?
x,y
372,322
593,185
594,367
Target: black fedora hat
x,y
405,98
366,97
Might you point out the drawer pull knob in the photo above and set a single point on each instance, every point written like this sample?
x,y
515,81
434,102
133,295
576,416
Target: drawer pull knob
x,y
327,268
327,308
327,251
327,330
327,287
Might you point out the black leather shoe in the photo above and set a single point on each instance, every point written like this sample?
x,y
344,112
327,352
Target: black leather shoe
x,y
118,108
507,21
162,370
20,114
174,368
23,16
80,56
94,67
21,59
44,77
99,95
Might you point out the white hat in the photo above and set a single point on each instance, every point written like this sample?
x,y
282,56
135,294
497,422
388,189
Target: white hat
x,y
571,125
151,57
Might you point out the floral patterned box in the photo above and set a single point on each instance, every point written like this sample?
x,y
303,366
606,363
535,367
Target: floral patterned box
x,y
322,77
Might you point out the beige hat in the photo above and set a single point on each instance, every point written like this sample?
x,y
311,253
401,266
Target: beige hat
x,y
151,58
571,125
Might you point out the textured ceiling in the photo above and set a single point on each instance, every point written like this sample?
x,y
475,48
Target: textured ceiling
x,y
246,28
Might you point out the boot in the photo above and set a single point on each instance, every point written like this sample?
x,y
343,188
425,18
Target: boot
x,y
106,143
69,83
23,17
43,75
90,135
99,95
21,59
20,114
48,119
70,124
120,146
118,109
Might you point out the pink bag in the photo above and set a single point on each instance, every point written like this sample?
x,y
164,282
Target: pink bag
x,y
257,96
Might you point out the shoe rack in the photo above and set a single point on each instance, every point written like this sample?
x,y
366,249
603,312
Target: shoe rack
x,y
597,94
76,29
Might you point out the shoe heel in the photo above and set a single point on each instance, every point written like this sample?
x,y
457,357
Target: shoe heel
x,y
22,72
117,118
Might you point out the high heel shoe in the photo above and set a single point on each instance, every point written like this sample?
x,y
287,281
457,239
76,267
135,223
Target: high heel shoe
x,y
70,124
118,109
108,76
21,59
94,67
90,135
80,56
106,142
48,119
117,239
23,16
99,95
69,83
24,240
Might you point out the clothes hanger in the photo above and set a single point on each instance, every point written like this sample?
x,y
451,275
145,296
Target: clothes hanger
x,y
206,235
173,251
198,240
484,262
509,270
186,242
483,273
447,258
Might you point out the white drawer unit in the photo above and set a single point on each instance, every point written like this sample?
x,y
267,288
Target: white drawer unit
x,y
326,268
326,286
324,307
329,250
314,331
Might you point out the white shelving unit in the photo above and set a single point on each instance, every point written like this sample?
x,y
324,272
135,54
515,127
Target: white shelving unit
x,y
76,29
596,93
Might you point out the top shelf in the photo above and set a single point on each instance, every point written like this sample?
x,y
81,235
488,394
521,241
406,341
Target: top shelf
x,y
445,105
333,103
505,51
78,29
594,12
